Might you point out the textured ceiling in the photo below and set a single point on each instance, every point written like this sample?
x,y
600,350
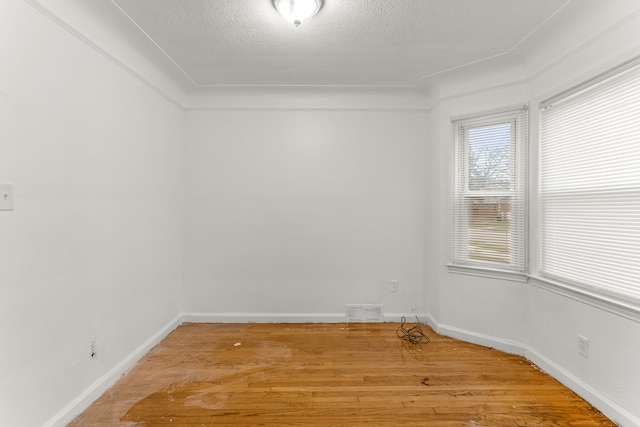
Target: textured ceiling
x,y
349,42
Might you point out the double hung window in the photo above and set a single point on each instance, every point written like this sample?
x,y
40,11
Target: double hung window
x,y
489,191
590,185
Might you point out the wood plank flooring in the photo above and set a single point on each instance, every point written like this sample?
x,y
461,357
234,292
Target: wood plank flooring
x,y
332,374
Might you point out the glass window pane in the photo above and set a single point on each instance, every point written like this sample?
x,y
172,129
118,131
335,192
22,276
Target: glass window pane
x,y
490,157
489,229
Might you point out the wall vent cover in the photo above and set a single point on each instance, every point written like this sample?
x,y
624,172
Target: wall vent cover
x,y
364,313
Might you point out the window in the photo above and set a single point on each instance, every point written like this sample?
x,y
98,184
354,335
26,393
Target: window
x,y
489,191
590,185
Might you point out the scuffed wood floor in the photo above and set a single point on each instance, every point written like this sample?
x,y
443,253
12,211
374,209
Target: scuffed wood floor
x,y
331,375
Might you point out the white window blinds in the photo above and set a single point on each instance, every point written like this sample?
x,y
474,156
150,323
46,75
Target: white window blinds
x,y
590,185
489,191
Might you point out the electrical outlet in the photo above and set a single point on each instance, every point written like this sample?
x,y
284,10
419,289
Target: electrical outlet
x,y
583,346
394,285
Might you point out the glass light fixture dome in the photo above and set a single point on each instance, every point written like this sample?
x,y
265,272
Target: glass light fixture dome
x,y
297,11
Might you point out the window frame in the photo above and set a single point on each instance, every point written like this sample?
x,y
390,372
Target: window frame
x,y
518,119
601,296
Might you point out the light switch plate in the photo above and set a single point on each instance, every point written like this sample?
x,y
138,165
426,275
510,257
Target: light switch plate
x,y
6,196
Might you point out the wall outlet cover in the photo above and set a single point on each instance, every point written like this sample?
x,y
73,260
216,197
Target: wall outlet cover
x,y
583,346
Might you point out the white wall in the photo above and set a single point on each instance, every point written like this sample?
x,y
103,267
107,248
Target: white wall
x,y
609,377
93,247
294,203
493,308
304,211
539,321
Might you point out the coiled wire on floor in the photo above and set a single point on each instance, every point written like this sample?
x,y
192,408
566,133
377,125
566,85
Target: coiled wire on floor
x,y
414,335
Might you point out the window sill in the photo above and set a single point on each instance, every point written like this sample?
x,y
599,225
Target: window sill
x,y
513,276
616,304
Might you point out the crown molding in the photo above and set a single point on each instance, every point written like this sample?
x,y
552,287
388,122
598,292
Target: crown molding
x,y
88,41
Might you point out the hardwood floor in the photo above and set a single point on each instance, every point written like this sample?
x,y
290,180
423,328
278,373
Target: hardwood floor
x,y
332,374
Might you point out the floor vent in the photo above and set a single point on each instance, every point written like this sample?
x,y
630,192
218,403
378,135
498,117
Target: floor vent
x,y
364,312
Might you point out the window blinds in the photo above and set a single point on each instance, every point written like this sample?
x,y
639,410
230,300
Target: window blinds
x,y
590,185
489,191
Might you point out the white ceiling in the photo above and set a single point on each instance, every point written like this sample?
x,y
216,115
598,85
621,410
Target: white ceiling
x,y
349,42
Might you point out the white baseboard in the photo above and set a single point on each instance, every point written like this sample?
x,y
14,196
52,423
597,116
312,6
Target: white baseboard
x,y
507,346
102,384
409,317
285,317
264,317
612,410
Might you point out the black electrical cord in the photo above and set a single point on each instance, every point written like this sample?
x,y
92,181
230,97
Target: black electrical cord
x,y
414,335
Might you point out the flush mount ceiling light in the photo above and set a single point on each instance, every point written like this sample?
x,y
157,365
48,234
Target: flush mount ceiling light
x,y
297,11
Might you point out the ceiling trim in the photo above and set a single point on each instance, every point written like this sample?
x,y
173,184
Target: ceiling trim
x,y
405,101
425,109
419,79
513,48
154,43
558,62
97,48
